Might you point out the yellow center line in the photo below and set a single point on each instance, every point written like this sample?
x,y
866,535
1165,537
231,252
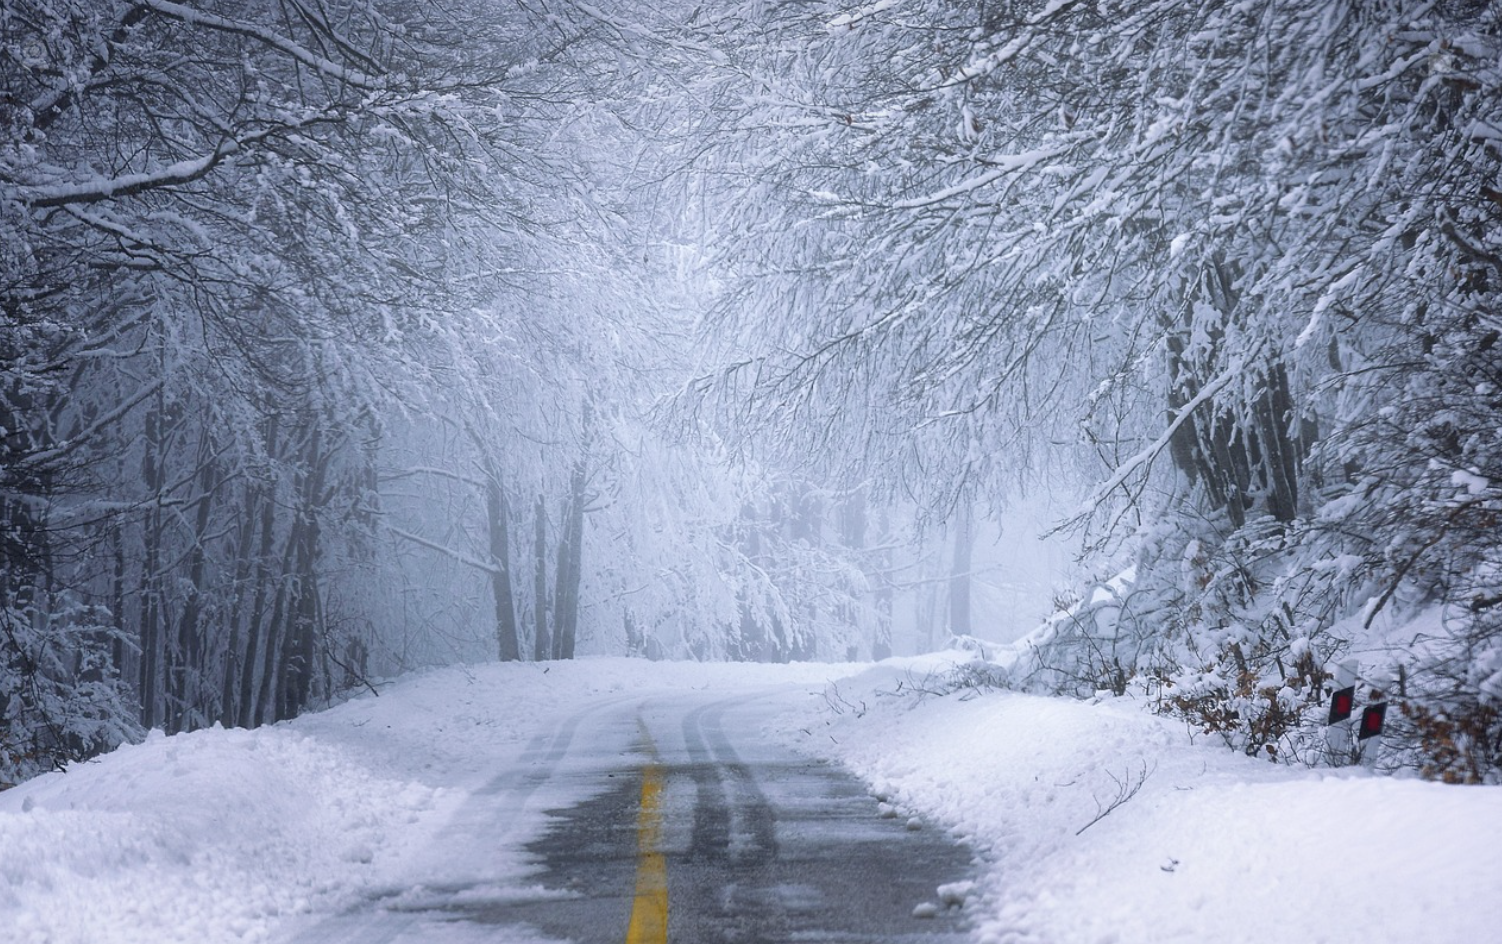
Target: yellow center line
x,y
649,909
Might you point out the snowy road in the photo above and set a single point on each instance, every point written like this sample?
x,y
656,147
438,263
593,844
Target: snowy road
x,y
686,808
527,803
756,844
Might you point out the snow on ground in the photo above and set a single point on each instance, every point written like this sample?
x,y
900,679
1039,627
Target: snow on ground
x,y
1212,847
227,836
244,835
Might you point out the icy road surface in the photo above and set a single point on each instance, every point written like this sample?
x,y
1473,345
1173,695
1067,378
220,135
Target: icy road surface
x,y
694,815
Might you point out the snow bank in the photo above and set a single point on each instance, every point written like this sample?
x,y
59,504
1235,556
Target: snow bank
x,y
200,837
1211,846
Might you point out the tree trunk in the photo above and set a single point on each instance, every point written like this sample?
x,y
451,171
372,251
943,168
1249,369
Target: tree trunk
x,y
257,628
881,642
542,647
117,593
497,517
304,626
186,682
259,499
293,579
1234,460
959,574
570,568
235,661
276,634
151,579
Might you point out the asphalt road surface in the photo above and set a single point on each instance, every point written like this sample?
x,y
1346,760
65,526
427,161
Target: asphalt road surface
x,y
694,827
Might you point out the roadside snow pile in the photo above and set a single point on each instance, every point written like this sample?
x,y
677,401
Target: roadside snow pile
x,y
195,836
1101,822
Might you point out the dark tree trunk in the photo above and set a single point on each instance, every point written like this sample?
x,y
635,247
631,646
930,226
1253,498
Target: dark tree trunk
x,y
276,633
497,516
542,647
570,568
117,593
294,579
257,631
1235,461
150,638
237,661
304,626
186,688
881,643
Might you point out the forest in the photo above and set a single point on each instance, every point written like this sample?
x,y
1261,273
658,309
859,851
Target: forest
x,y
340,338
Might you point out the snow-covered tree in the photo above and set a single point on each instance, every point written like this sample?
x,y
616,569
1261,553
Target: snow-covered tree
x,y
1217,257
239,240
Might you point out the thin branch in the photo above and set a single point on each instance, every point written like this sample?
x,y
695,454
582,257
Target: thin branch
x,y
51,456
1127,787
1146,456
334,70
448,552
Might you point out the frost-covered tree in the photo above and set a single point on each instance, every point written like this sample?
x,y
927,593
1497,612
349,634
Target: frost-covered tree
x,y
1221,254
330,334
239,240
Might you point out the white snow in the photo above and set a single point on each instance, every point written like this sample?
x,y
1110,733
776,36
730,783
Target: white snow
x,y
1473,484
1213,847
854,17
222,836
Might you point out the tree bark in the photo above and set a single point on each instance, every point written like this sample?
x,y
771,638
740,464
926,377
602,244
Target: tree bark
x,y
259,499
186,681
305,611
542,647
151,551
570,568
497,517
881,642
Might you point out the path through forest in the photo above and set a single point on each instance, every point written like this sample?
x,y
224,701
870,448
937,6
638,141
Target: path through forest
x,y
698,827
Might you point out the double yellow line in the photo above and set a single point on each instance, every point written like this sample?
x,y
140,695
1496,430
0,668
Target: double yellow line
x,y
649,909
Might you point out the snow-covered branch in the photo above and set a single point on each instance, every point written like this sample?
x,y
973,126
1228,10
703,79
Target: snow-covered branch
x,y
47,459
449,552
355,77
178,173
1146,456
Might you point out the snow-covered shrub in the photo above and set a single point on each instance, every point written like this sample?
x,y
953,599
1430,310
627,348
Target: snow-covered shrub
x,y
1421,516
61,699
1453,735
1215,628
1255,639
1100,643
967,679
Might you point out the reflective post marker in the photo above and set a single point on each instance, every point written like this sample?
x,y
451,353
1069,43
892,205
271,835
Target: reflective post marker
x,y
1342,705
1372,719
1369,732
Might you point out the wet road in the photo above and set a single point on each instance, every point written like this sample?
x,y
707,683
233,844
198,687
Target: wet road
x,y
695,827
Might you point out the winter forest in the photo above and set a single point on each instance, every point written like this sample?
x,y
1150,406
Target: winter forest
x,y
344,337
